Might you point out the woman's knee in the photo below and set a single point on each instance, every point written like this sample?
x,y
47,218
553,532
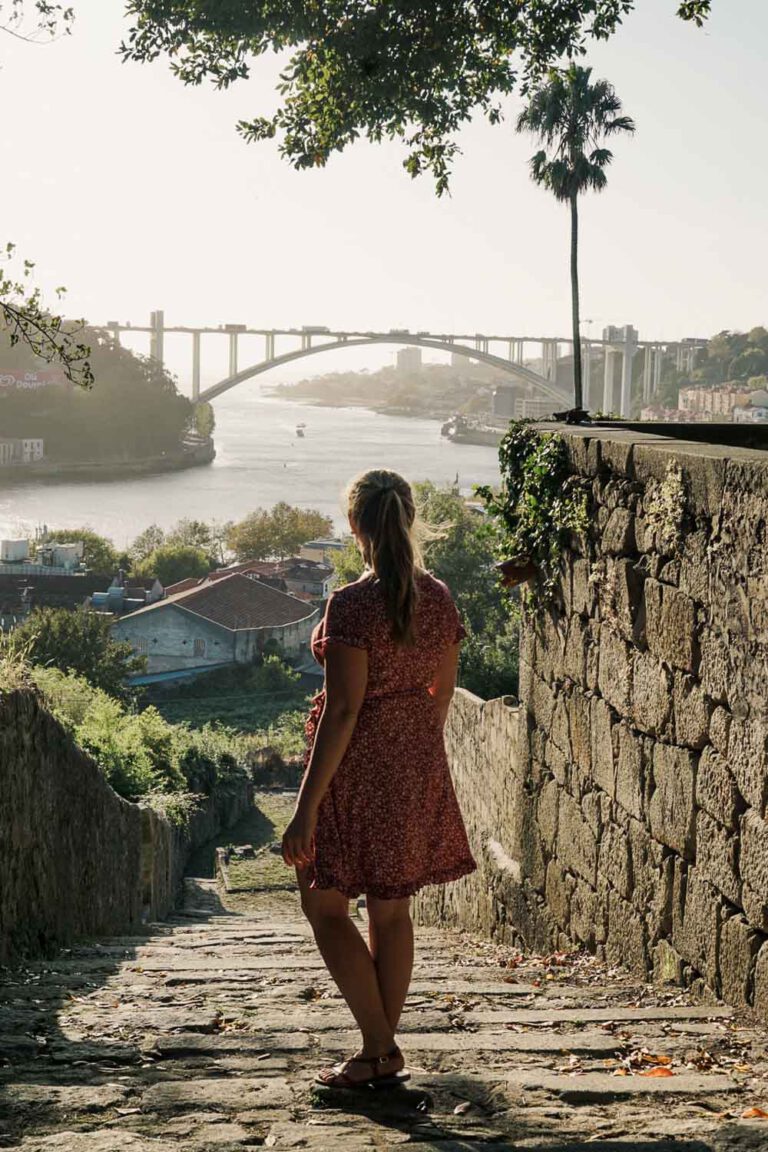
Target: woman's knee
x,y
383,913
321,906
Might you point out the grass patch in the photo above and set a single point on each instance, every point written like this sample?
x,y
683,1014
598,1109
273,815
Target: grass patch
x,y
264,824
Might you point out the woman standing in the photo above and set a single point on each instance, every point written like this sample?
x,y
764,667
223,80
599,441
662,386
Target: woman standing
x,y
376,812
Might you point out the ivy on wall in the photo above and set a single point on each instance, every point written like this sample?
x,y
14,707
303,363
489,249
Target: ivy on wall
x,y
540,502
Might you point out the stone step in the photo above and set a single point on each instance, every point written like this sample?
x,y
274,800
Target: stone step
x,y
544,1016
602,1087
594,1043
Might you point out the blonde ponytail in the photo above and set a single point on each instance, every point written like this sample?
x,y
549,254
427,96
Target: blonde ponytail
x,y
382,510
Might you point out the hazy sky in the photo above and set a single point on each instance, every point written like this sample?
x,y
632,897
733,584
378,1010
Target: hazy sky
x,y
138,194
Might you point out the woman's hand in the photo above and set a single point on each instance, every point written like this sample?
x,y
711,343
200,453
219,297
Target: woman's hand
x,y
298,841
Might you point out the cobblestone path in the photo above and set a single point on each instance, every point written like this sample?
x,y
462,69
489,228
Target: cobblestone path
x,y
205,1034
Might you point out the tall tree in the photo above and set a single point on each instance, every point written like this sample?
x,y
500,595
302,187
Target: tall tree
x,y
278,533
413,70
572,116
173,562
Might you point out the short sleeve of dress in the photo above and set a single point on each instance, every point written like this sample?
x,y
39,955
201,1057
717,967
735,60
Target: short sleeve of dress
x,y
457,626
344,622
456,632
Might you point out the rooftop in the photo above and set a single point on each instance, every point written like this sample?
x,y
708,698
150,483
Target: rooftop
x,y
237,603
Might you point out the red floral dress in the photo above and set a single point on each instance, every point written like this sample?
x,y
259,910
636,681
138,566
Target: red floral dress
x,y
390,822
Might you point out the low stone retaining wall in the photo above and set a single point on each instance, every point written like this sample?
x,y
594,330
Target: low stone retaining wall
x,y
75,858
629,810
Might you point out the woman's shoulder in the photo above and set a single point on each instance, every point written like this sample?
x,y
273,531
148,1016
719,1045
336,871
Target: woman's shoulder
x,y
356,592
429,583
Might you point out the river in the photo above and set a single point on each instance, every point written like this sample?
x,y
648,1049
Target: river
x,y
259,461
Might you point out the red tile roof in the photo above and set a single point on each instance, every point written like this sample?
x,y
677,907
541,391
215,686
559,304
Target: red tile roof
x,y
237,603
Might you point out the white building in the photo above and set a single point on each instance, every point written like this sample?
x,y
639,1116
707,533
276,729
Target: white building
x,y
21,451
221,622
755,411
321,550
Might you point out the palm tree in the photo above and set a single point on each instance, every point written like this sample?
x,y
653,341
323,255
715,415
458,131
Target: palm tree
x,y
571,116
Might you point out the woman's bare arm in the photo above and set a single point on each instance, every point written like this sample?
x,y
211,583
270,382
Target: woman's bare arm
x,y
346,679
444,683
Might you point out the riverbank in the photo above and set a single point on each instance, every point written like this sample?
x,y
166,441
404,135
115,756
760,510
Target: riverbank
x,y
191,456
490,437
259,461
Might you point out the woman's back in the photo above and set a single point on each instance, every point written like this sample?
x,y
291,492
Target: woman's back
x,y
357,616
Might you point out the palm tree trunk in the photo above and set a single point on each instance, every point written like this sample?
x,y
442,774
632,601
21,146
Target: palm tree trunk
x,y
578,393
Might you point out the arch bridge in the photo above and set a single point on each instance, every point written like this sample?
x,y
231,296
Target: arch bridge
x,y
505,353
336,342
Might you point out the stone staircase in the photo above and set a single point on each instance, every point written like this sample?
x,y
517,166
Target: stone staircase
x,y
205,1035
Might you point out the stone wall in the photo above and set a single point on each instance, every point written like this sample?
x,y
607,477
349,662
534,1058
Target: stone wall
x,y
75,858
635,820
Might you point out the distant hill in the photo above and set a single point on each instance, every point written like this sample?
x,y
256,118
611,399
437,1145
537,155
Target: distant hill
x,y
434,390
134,410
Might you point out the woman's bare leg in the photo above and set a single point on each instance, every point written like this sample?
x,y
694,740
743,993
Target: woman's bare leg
x,y
350,964
390,932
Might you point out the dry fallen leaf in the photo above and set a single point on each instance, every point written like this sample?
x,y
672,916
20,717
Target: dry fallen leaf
x,y
621,1072
463,1108
656,1072
755,1114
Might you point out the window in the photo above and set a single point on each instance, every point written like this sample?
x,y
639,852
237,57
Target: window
x,y
199,648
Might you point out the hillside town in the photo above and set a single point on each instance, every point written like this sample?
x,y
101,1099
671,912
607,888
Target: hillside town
x,y
230,616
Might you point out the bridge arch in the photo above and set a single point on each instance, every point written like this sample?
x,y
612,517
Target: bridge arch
x,y
546,387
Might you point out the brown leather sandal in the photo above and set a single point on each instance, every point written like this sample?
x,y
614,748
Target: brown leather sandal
x,y
338,1077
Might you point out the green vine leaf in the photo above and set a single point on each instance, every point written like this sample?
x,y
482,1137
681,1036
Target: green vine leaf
x,y
540,503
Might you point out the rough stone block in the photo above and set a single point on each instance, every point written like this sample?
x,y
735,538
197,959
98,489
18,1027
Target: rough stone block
x,y
630,771
736,960
588,919
618,537
557,892
602,746
626,943
614,669
717,852
761,984
719,727
613,859
580,731
694,568
754,868
546,814
652,880
671,809
667,964
576,645
670,625
651,695
670,572
541,704
715,669
748,758
692,712
576,843
549,644
626,583
582,591
696,929
557,762
716,790
558,729
593,655
591,807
